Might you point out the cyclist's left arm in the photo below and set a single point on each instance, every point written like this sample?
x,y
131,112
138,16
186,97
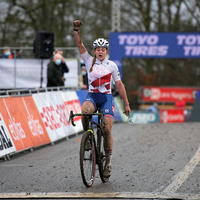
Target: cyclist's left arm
x,y
121,89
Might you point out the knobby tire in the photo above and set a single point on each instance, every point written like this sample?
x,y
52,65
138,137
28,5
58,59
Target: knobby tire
x,y
102,162
87,160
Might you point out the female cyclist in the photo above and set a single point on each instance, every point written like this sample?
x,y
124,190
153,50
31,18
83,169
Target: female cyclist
x,y
100,73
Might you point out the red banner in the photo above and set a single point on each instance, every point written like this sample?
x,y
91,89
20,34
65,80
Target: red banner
x,y
168,94
172,116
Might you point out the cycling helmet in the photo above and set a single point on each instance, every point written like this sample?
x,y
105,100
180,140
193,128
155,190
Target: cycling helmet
x,y
100,42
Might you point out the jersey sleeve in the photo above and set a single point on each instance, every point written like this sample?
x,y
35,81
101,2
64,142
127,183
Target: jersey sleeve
x,y
115,73
87,58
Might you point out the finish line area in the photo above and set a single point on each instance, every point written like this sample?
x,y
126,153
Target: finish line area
x,y
77,195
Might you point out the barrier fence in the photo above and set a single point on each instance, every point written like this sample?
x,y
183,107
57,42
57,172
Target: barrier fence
x,y
31,118
34,117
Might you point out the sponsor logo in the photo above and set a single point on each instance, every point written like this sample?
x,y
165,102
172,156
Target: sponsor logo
x,y
155,93
106,110
170,117
142,45
190,44
143,117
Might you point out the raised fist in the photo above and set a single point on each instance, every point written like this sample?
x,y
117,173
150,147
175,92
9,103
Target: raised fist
x,y
77,24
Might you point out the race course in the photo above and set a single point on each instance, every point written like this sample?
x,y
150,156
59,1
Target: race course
x,y
149,161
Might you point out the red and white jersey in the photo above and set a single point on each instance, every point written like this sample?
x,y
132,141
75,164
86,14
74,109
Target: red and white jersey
x,y
100,79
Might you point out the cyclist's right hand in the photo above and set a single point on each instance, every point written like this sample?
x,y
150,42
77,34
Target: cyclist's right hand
x,y
77,24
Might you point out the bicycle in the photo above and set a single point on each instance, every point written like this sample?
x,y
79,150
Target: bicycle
x,y
95,154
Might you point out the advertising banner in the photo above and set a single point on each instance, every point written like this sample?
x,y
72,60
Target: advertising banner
x,y
6,144
156,45
145,117
24,124
26,73
48,112
168,94
172,116
72,102
153,45
54,108
32,117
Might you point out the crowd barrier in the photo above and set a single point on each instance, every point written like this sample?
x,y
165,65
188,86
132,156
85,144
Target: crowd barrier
x,y
35,119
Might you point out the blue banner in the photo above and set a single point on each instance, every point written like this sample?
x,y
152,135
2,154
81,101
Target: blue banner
x,y
153,45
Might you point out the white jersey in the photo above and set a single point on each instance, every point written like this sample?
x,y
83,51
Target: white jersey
x,y
100,79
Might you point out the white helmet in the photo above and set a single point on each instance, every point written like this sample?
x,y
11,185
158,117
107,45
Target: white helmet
x,y
100,42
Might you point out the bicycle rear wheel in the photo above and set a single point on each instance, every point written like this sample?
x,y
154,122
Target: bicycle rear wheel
x,y
87,159
102,160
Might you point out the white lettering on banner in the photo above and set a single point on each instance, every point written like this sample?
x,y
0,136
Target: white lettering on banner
x,y
167,117
5,143
183,95
16,130
188,39
35,126
165,95
146,50
191,44
142,45
155,93
164,116
174,117
138,39
144,117
191,50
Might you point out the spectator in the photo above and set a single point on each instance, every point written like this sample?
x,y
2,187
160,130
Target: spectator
x,y
54,71
153,108
64,66
7,53
180,103
83,75
17,53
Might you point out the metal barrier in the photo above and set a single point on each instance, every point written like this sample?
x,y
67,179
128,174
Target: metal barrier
x,y
30,91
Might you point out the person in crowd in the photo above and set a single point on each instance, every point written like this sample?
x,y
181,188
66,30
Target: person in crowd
x,y
153,108
54,71
83,75
7,53
180,103
17,53
63,64
100,72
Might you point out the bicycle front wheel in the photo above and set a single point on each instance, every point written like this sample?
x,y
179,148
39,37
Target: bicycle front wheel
x,y
87,159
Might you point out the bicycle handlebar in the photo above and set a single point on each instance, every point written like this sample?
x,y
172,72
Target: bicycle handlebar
x,y
72,115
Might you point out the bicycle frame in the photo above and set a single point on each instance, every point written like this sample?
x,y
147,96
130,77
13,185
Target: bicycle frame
x,y
99,131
